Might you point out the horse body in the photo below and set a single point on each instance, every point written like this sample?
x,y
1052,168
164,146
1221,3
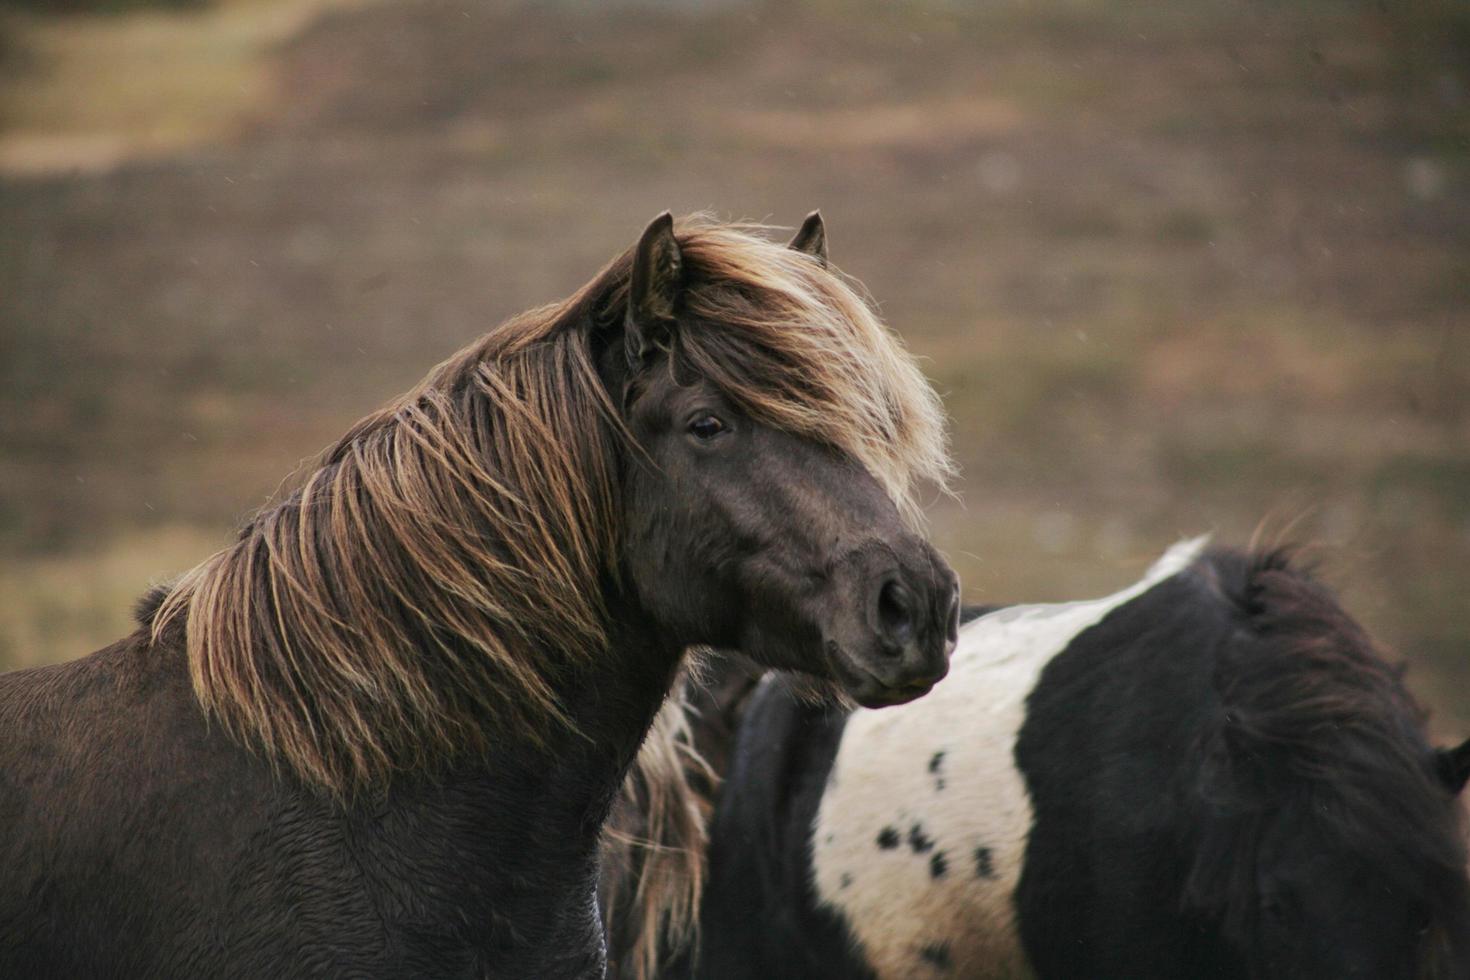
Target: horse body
x,y
1209,774
142,842
378,735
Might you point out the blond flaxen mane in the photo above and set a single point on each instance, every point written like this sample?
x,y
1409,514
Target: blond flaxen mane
x,y
420,592
653,853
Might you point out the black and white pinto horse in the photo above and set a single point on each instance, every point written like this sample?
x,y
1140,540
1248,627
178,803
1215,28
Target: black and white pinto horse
x,y
1211,773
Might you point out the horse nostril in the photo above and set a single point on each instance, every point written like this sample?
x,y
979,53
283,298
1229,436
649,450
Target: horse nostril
x,y
895,618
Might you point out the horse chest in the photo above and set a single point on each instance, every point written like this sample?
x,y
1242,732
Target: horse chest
x,y
920,838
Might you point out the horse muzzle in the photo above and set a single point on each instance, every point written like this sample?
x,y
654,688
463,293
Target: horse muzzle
x,y
895,646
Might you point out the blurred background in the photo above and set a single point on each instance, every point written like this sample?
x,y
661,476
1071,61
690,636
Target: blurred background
x,y
1175,267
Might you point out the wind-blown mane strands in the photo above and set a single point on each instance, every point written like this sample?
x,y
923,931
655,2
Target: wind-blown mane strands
x,y
654,844
419,594
391,612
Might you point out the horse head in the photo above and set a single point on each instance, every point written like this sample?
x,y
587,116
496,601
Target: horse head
x,y
778,431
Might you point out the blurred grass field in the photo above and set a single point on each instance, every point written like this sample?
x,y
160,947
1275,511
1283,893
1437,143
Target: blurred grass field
x,y
1200,266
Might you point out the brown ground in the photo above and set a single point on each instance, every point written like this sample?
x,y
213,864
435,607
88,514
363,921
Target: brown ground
x,y
1175,269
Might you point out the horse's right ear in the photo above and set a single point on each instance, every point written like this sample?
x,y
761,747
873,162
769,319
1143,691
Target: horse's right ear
x,y
654,289
1453,766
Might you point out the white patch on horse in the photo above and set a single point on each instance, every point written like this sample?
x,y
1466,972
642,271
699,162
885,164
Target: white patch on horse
x,y
921,832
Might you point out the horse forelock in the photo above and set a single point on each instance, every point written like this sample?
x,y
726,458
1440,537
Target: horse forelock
x,y
420,591
799,347
1313,718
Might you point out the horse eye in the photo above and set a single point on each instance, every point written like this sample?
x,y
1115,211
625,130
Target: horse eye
x,y
706,427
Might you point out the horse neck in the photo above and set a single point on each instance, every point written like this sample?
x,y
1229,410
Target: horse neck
x,y
512,838
613,701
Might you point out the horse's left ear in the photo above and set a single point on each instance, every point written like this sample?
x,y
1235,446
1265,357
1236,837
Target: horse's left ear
x,y
811,238
1453,766
654,289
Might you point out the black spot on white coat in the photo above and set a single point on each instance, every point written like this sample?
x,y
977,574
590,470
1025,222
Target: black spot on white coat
x,y
937,955
984,863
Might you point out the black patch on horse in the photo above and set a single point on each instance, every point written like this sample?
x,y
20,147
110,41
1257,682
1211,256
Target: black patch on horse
x,y
937,955
935,762
984,863
918,840
760,918
1223,773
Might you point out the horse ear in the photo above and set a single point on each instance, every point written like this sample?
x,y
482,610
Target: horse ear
x,y
654,289
811,238
1453,766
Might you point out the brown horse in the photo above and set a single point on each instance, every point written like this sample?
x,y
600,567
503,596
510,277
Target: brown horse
x,y
378,735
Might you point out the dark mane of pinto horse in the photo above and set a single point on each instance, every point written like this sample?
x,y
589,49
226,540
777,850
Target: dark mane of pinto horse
x,y
378,735
1312,717
1305,714
1293,729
